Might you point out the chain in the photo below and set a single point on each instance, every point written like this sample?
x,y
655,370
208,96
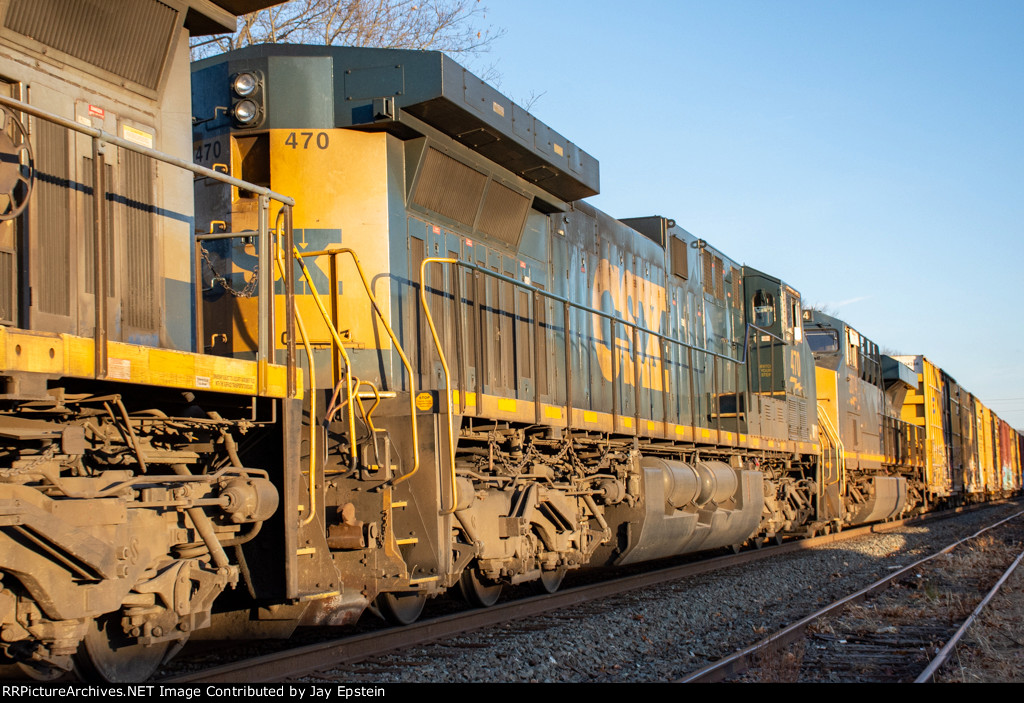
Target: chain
x,y
45,456
511,468
581,466
250,285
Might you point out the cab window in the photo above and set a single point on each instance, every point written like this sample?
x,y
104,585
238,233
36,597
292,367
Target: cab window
x,y
823,341
764,309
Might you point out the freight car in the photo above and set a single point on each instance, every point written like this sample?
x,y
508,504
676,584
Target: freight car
x,y
973,454
439,368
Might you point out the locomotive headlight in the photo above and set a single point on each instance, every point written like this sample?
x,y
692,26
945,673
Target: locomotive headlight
x,y
245,111
248,99
244,84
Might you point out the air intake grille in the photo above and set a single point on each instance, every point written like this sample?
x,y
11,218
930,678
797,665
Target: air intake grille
x,y
7,283
449,188
138,196
51,218
143,30
504,213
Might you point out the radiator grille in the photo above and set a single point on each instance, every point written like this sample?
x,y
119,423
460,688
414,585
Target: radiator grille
x,y
143,30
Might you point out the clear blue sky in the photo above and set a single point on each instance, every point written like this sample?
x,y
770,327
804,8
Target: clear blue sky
x,y
869,153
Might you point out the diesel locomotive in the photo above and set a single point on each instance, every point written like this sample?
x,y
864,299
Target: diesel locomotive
x,y
587,390
438,367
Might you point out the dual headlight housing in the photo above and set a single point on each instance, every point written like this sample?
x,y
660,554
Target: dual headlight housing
x,y
247,99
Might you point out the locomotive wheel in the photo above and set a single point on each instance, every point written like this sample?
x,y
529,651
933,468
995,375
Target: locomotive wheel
x,y
36,672
477,590
401,608
551,581
107,654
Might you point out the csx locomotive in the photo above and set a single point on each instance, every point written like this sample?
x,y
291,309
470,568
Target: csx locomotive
x,y
514,384
437,367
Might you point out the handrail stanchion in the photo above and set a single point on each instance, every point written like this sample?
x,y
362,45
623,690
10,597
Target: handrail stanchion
x,y
614,346
568,366
537,332
637,380
289,292
99,198
447,373
265,287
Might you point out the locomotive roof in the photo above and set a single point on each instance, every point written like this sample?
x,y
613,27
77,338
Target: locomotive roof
x,y
218,16
381,89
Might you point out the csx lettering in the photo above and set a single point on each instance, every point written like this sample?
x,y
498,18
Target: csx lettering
x,y
638,302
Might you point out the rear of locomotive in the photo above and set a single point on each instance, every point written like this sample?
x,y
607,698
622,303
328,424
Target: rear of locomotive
x,y
132,466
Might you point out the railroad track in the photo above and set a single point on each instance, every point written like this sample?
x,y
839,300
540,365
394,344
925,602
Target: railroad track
x,y
346,651
901,628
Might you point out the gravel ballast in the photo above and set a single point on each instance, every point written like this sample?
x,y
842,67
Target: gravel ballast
x,y
664,632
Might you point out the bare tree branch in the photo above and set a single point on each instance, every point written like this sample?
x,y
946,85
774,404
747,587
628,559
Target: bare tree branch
x,y
453,26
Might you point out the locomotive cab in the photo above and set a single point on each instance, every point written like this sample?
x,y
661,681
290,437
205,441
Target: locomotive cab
x,y
780,361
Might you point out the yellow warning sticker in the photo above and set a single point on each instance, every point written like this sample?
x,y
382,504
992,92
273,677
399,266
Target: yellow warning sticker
x,y
424,401
137,136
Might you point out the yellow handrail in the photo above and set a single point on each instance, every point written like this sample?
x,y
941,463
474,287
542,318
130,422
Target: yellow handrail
x,y
376,402
447,373
833,437
341,348
312,395
391,335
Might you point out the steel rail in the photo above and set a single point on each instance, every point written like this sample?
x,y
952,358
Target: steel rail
x,y
739,661
942,657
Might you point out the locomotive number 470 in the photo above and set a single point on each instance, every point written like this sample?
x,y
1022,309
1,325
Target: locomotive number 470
x,y
301,140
